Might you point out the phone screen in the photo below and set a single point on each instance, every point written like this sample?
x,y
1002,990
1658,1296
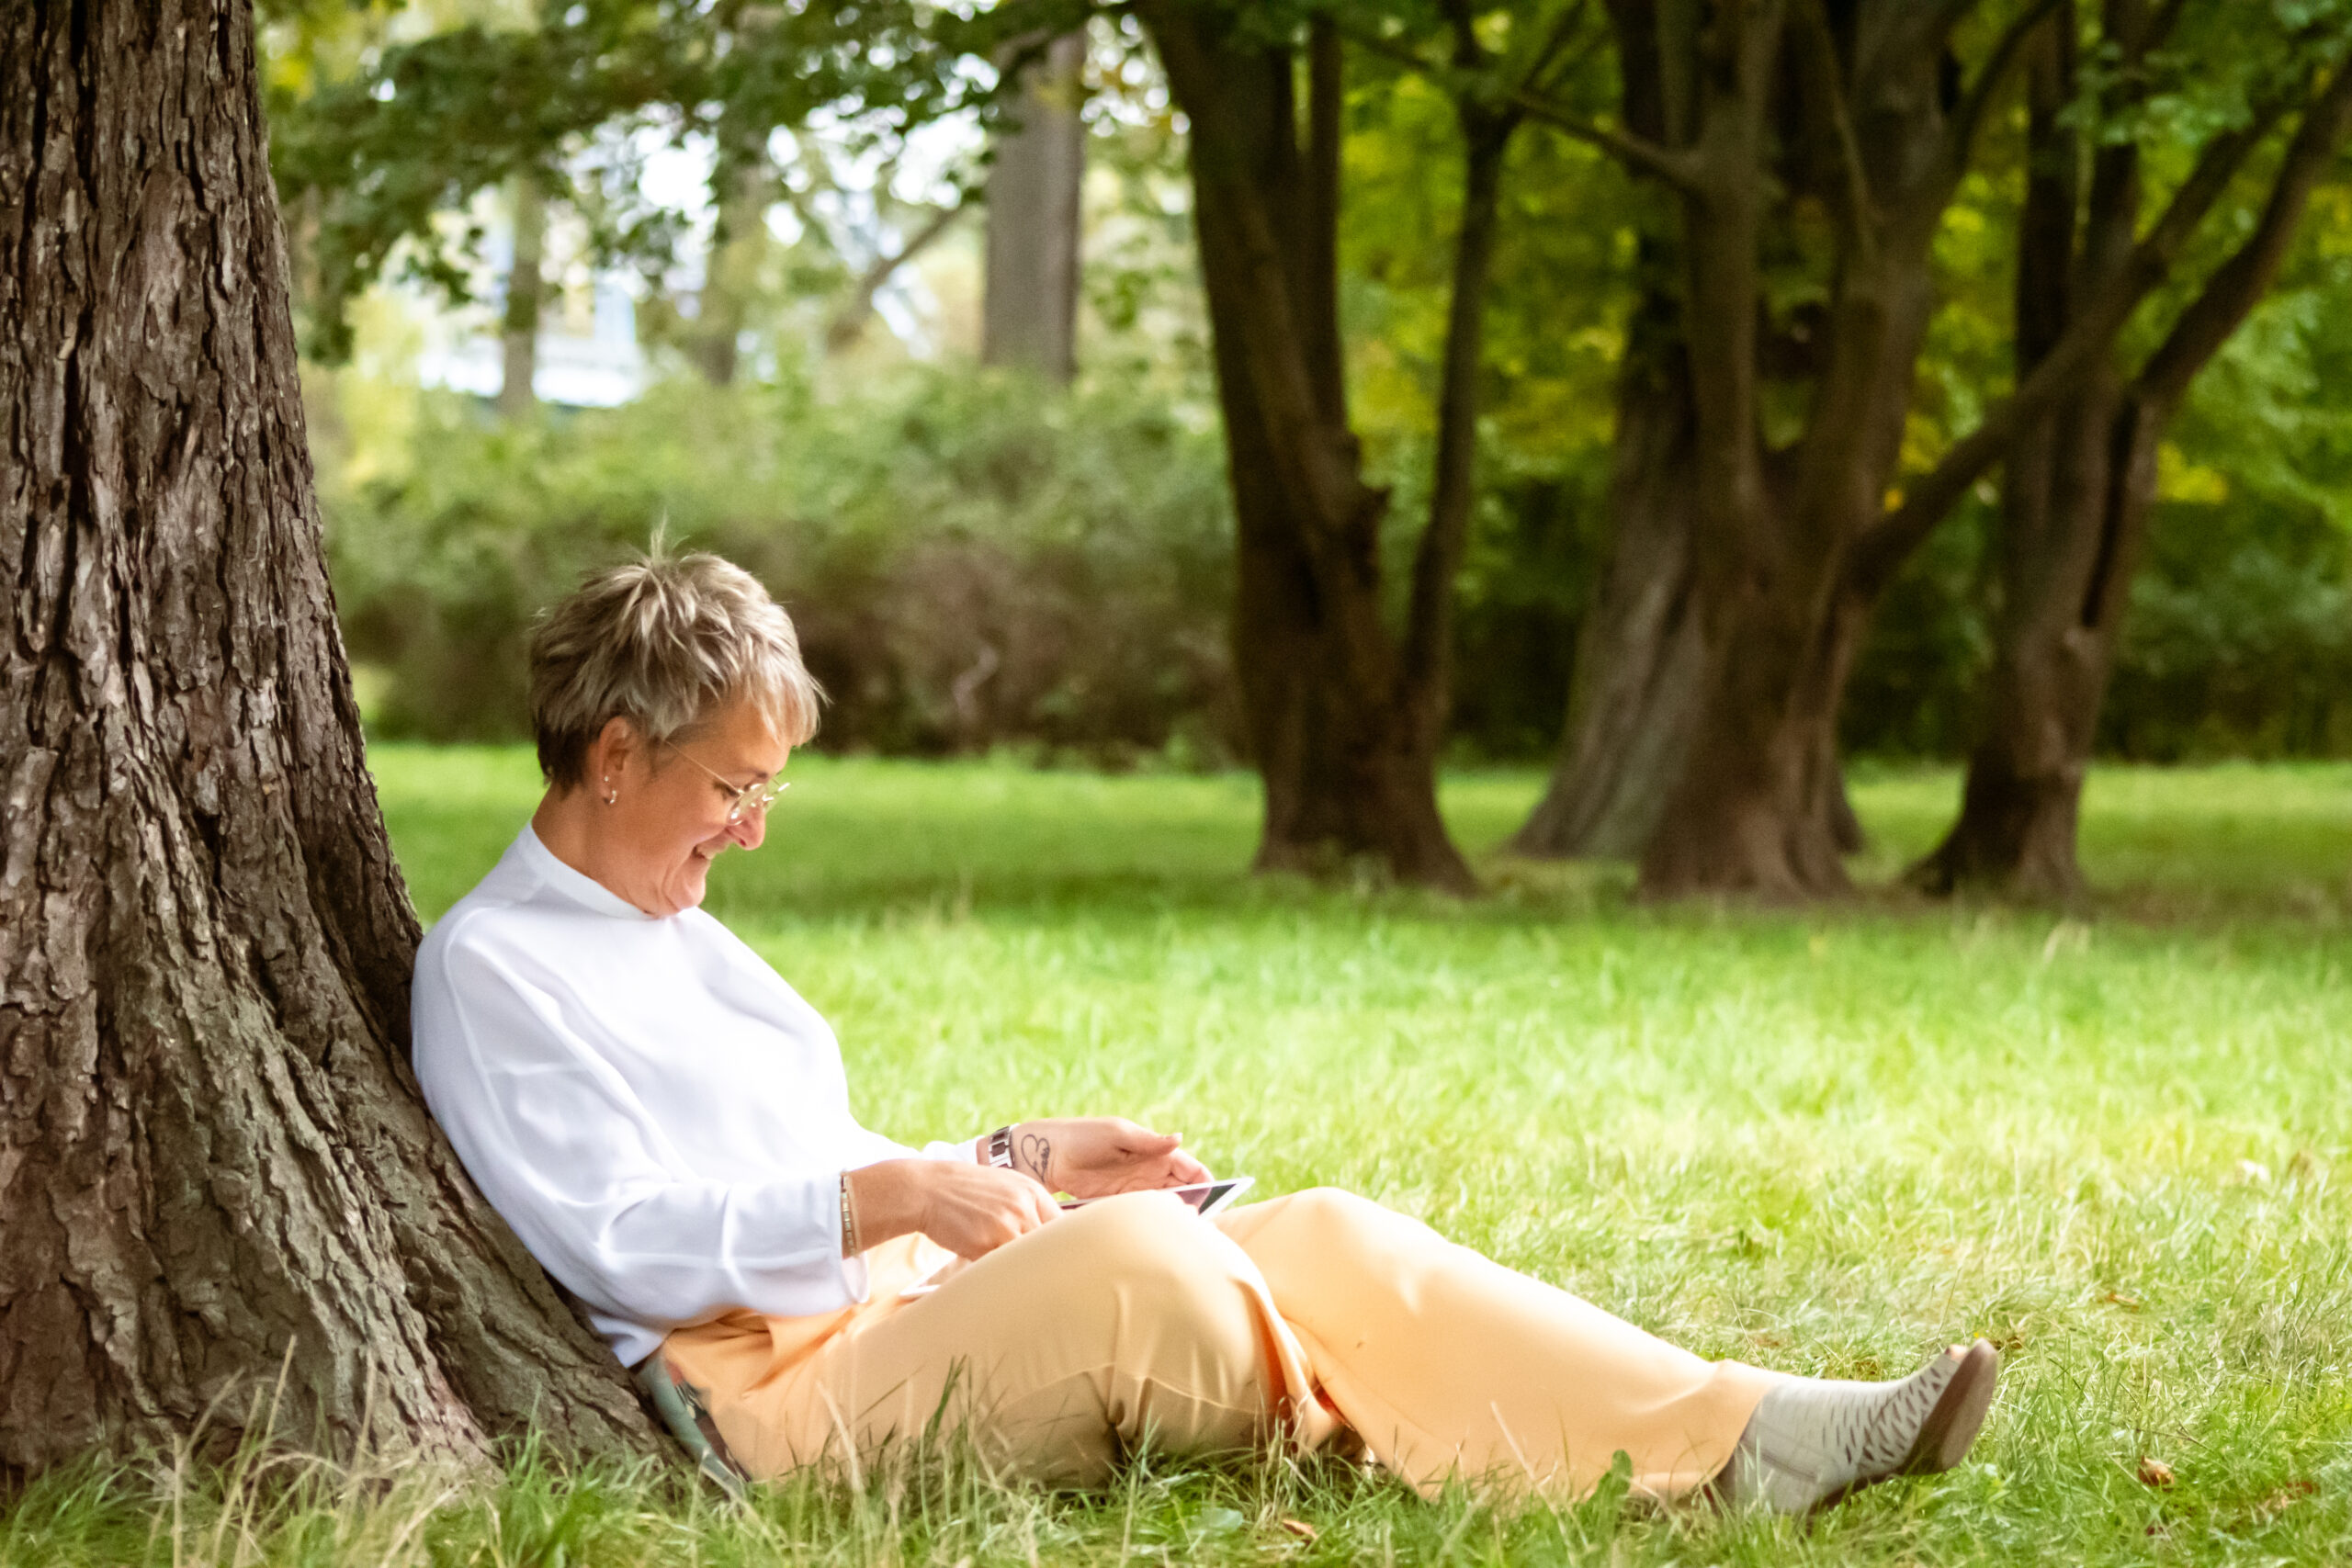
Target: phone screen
x,y
1205,1197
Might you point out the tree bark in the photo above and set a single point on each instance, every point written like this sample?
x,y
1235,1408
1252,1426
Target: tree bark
x,y
2080,488
1339,716
1633,695
738,251
1874,129
1643,652
213,1161
1029,292
518,329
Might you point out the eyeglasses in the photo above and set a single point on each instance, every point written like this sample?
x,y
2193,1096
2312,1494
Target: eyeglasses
x,y
749,799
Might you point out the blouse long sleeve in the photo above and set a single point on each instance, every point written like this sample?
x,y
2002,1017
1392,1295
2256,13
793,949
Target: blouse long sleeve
x,y
661,1118
568,1154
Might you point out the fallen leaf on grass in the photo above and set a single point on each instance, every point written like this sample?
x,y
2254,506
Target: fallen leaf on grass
x,y
2287,1496
1302,1529
2117,1298
2154,1472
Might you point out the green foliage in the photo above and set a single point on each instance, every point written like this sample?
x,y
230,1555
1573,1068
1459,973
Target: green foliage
x,y
383,155
971,562
2236,644
2240,640
1571,224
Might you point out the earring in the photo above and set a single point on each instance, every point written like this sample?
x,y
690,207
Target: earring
x,y
612,795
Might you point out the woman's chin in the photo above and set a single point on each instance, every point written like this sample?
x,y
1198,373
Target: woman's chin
x,y
692,885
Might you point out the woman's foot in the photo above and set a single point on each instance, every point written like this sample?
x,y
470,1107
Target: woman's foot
x,y
1813,1440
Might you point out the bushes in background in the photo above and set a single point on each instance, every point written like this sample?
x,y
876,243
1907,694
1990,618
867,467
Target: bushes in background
x,y
972,561
977,562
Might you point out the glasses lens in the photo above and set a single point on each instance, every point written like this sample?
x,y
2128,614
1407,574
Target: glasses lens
x,y
757,799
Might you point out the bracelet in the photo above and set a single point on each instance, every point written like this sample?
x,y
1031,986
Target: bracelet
x,y
849,1222
1000,1148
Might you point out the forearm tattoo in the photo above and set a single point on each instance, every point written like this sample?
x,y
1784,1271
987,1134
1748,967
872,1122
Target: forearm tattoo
x,y
1033,1151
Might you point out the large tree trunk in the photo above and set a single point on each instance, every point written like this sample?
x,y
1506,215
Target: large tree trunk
x,y
213,1161
1633,695
2018,813
1338,716
1029,298
2080,488
1855,107
518,329
2077,500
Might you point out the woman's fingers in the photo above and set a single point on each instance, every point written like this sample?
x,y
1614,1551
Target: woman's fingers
x,y
974,1209
1186,1171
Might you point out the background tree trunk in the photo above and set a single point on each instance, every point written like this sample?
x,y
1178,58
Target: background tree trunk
x,y
2075,505
738,251
1643,654
2080,488
213,1160
1029,298
518,333
1633,695
1340,738
1641,651
2016,822
1861,109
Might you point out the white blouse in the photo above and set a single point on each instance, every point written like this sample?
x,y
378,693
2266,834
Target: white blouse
x,y
662,1118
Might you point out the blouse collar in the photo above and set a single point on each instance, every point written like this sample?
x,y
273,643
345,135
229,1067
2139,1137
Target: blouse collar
x,y
575,885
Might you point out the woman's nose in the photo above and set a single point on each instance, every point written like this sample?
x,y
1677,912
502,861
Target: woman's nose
x,y
751,831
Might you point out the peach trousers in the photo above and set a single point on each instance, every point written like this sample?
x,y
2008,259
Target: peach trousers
x,y
1299,1321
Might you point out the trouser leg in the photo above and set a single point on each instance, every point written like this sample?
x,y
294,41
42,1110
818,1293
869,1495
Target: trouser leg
x,y
1122,1321
1444,1361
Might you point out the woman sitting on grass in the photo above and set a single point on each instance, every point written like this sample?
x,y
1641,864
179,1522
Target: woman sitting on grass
x,y
665,1123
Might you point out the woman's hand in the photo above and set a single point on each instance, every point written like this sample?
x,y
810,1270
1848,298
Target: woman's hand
x,y
971,1209
1093,1156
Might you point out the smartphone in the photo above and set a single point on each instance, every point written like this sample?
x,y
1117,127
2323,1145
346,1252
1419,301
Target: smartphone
x,y
1205,1197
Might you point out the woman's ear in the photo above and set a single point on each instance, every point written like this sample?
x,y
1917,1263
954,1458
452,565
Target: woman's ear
x,y
615,746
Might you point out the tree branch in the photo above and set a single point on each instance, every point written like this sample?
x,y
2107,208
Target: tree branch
x,y
1638,153
1676,167
849,320
1318,236
1968,117
1562,31
2239,284
1396,50
2161,27
1821,50
1467,55
1882,550
1427,644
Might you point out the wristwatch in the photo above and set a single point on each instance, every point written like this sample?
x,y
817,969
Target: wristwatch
x,y
1000,1148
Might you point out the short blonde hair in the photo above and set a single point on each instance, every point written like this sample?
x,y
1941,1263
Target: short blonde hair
x,y
664,642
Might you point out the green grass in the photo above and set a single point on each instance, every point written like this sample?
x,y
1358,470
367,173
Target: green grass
x,y
1824,1141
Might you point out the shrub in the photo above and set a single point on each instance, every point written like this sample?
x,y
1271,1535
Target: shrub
x,y
972,561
